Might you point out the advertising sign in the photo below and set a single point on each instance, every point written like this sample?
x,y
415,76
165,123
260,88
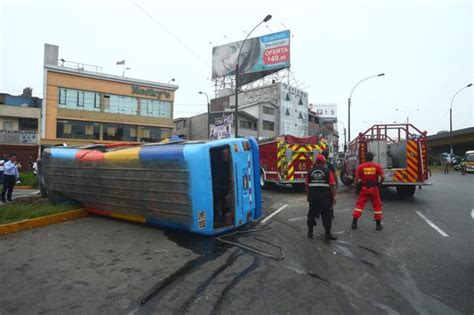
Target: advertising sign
x,y
260,56
326,111
222,128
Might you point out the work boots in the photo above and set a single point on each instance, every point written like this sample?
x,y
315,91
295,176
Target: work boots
x,y
329,237
378,225
310,234
354,224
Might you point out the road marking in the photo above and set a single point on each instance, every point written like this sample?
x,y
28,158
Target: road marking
x,y
34,192
296,219
274,213
472,214
344,210
437,229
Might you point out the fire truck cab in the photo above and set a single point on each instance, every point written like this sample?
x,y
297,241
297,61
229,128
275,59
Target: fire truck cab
x,y
401,150
287,159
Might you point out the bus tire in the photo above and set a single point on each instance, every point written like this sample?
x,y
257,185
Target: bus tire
x,y
406,191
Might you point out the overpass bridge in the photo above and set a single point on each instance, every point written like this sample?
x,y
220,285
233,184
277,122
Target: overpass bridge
x,y
463,140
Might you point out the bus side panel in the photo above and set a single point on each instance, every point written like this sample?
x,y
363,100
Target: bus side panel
x,y
243,192
255,182
199,165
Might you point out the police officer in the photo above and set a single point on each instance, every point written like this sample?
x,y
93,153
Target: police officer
x,y
369,176
321,196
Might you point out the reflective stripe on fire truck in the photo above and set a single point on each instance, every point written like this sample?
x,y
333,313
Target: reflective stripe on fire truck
x,y
301,150
412,161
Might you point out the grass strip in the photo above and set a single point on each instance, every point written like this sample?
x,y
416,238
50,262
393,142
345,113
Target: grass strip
x,y
29,209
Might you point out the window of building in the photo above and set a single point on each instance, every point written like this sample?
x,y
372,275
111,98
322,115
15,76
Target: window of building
x,y
7,125
122,105
301,101
78,100
287,98
246,124
155,108
268,110
62,96
73,129
300,116
268,125
287,113
153,134
119,132
27,124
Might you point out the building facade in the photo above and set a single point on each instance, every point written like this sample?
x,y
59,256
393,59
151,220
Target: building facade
x,y
84,106
265,112
19,121
324,129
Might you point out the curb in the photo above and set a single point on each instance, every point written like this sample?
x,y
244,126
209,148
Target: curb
x,y
27,224
23,187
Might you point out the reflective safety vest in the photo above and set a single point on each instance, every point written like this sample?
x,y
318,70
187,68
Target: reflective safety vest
x,y
318,178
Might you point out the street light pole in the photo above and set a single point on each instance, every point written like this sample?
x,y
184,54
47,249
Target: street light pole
x,y
407,113
349,102
451,118
236,110
208,113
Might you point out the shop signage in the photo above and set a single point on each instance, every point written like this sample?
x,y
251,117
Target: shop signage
x,y
150,92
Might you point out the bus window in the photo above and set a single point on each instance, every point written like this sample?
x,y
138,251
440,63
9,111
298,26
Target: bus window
x,y
222,186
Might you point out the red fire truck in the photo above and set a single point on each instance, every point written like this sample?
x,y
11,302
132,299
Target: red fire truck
x,y
401,150
286,159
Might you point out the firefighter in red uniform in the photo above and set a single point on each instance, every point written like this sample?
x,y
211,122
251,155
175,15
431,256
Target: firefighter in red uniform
x,y
321,196
369,176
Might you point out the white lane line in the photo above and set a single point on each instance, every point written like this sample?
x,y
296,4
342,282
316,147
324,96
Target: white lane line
x,y
297,219
34,192
472,214
437,229
274,213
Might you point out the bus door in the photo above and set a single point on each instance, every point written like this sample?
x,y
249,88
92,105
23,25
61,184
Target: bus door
x,y
222,186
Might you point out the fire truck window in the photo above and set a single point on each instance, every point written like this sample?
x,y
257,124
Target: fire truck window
x,y
222,191
289,154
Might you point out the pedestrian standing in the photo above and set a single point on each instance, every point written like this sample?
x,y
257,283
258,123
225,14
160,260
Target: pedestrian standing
x,y
2,161
369,176
320,187
10,176
447,163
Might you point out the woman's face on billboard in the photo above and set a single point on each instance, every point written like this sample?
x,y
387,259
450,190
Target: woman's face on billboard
x,y
225,57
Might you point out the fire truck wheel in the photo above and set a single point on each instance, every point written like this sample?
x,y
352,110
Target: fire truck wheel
x,y
406,191
345,179
263,182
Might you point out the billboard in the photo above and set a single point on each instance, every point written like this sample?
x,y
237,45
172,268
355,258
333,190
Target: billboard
x,y
326,111
222,128
260,56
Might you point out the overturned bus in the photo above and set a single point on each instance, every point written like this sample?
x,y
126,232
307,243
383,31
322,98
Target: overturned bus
x,y
201,187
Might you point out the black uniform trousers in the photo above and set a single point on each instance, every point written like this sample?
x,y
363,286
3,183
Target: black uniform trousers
x,y
8,184
320,202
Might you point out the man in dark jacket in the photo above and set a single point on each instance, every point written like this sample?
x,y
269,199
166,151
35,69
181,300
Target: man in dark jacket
x,y
320,187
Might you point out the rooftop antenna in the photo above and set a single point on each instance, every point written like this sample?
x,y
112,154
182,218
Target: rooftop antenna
x,y
266,25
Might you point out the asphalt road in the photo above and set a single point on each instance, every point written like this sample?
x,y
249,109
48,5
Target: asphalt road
x,y
97,265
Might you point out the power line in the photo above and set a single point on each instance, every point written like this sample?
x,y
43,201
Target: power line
x,y
172,35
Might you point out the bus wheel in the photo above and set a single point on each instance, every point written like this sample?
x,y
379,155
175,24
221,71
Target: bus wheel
x,y
406,191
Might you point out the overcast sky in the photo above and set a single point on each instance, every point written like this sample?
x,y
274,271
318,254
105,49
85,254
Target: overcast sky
x,y
424,47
